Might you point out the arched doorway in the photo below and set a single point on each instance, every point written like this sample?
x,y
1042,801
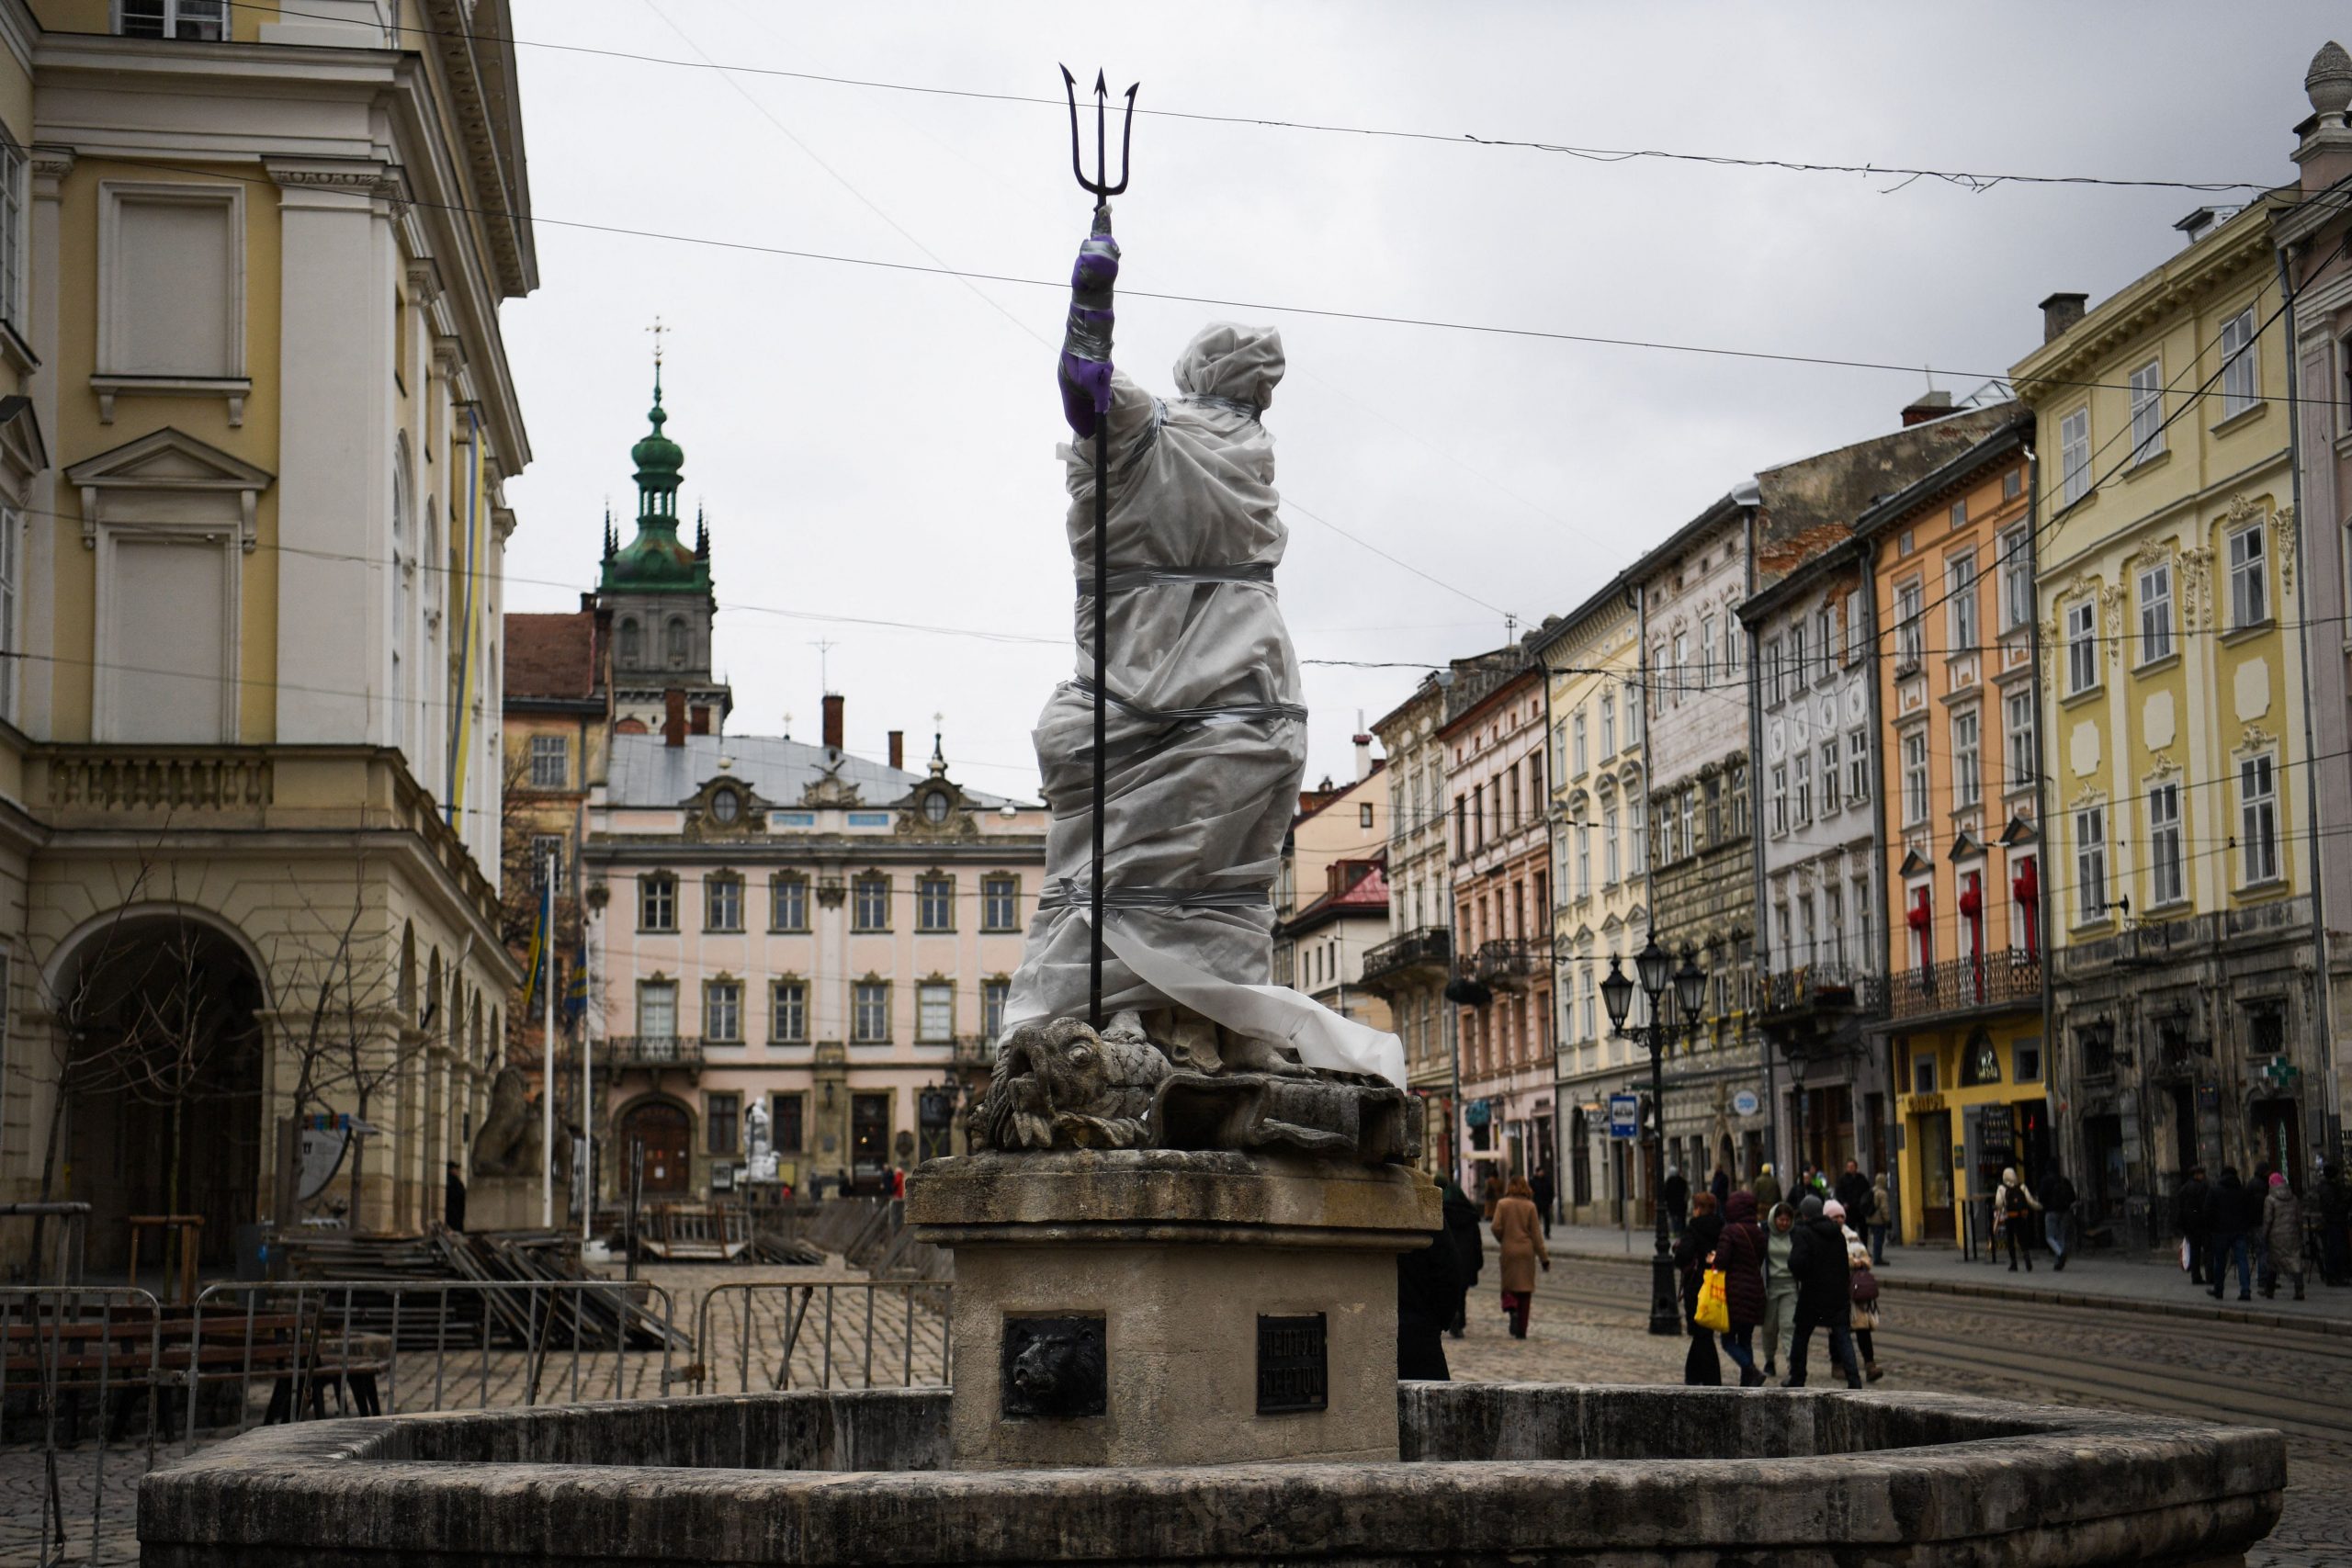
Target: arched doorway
x,y
666,1132
161,1049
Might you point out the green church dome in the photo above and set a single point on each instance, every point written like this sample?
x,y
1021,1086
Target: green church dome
x,y
657,561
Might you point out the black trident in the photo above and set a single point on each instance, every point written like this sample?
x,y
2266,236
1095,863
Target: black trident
x,y
1103,191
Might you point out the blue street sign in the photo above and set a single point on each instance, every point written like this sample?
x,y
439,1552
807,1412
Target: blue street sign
x,y
1744,1103
1624,1115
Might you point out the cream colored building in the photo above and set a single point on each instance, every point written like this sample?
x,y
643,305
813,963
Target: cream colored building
x,y
1592,662
2179,879
1331,893
250,558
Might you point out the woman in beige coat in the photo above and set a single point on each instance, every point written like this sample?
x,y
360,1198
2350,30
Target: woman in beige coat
x,y
1519,1231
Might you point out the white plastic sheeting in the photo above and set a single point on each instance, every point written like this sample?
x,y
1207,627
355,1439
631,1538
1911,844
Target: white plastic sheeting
x,y
1207,741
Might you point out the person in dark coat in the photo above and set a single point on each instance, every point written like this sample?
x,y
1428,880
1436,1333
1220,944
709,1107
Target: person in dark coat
x,y
2334,1204
2058,1216
1429,1295
1825,1300
1720,1187
1541,1185
1853,1190
453,1200
1700,1366
1739,1253
1677,1193
1464,1228
2258,1240
2225,1228
2188,1216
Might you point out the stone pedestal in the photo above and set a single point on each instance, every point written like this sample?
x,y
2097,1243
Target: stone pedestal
x,y
1162,1307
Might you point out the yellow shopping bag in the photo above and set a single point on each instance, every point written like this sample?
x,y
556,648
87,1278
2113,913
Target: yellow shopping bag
x,y
1714,1302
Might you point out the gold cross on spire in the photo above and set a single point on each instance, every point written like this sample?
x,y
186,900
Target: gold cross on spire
x,y
657,329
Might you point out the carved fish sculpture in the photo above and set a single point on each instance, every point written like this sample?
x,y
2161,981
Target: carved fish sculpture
x,y
1058,1084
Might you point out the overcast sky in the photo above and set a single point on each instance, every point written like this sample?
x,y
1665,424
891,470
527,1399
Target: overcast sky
x,y
877,445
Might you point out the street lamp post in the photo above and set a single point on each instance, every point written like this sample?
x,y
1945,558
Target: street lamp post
x,y
1655,967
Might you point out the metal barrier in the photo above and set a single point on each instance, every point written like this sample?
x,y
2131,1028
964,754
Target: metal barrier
x,y
57,1344
912,1331
311,1338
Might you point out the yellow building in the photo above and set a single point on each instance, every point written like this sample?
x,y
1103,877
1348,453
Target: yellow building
x,y
1591,659
2179,891
250,558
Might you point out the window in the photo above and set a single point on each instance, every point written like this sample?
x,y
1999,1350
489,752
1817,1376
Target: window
x,y
2147,411
870,903
673,636
787,1118
1591,1013
788,1012
2018,739
551,761
870,1012
934,1012
1862,954
1608,723
2017,578
722,1114
657,1010
1733,637
1959,579
1609,874
1364,815
1910,638
1461,827
1825,638
1857,767
1772,692
1804,786
12,230
2074,457
722,901
2081,647
1584,860
11,611
2155,613
1914,778
547,855
2249,581
171,288
2238,364
1690,821
993,996
2090,864
1855,641
1633,719
657,902
1576,746
934,902
2164,845
201,20
2266,1026
2027,1054
999,903
1799,671
1681,664
1829,775
787,902
2259,819
631,644
1706,649
1779,798
1657,678
1637,838
722,1011
1967,757
1833,916
1923,1073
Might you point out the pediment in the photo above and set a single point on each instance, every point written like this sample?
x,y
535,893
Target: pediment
x,y
168,459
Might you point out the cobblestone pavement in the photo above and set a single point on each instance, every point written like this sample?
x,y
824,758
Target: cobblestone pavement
x,y
1589,1327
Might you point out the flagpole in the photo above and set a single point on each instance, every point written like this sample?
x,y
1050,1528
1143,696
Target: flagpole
x,y
546,1074
587,1100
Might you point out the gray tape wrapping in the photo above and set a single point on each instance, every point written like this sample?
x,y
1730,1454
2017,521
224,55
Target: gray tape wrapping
x,y
1207,738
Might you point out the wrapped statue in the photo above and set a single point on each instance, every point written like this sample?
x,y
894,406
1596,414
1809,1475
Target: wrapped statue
x,y
759,1145
1208,739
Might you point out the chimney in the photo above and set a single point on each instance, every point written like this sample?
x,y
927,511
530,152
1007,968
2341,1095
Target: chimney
x,y
1925,407
1364,757
674,717
833,720
899,751
2059,314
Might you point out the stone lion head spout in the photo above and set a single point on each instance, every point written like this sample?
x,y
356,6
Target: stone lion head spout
x,y
1058,1083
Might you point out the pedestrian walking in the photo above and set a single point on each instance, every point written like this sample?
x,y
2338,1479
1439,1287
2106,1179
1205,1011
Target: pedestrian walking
x,y
2334,1225
2282,1236
1861,1289
1853,1190
2225,1227
1428,1294
1469,1248
2257,1250
2191,1218
1543,1188
1519,1235
1490,1193
2014,1206
2058,1216
1720,1187
1825,1298
1739,1253
1882,1218
1692,1253
1767,1188
1779,1325
1677,1193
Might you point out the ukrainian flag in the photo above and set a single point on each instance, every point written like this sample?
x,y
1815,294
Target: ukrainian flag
x,y
575,986
542,942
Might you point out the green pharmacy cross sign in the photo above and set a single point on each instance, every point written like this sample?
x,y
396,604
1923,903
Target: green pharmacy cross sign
x,y
2280,1072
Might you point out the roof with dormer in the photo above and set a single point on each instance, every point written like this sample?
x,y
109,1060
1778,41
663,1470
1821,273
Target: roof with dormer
x,y
644,772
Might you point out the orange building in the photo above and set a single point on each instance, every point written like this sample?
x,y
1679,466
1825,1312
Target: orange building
x,y
1949,566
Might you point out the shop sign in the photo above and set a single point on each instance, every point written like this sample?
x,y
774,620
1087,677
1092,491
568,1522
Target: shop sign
x,y
1924,1104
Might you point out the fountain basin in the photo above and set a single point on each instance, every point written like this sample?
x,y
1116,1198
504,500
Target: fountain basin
x,y
1605,1476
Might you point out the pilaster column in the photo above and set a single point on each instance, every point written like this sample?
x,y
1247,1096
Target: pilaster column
x,y
36,678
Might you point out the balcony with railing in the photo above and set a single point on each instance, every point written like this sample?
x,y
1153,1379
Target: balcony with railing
x,y
1808,986
620,1053
1424,956
1512,964
2005,980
